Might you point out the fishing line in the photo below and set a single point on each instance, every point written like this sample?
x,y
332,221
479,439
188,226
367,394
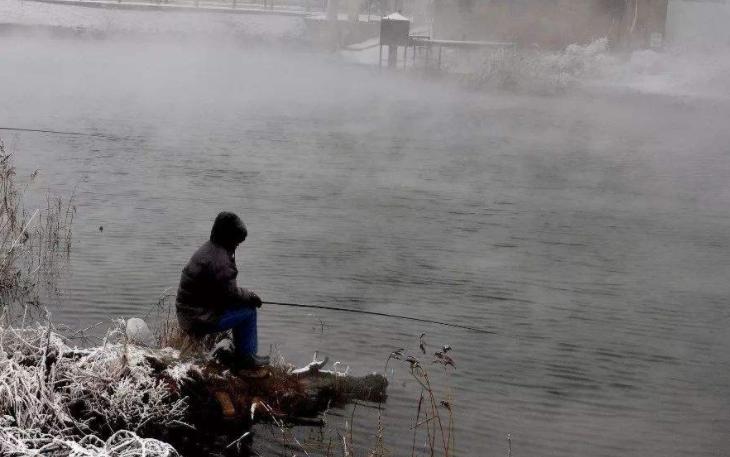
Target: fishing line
x,y
55,132
374,313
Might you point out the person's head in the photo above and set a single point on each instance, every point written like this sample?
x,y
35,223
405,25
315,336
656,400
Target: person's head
x,y
228,231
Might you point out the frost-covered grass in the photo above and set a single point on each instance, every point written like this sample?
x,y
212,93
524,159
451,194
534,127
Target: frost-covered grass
x,y
20,442
59,400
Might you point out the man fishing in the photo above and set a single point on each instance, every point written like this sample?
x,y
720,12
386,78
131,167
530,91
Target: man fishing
x,y
209,299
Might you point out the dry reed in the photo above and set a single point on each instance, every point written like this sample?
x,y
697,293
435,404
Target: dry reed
x,y
33,244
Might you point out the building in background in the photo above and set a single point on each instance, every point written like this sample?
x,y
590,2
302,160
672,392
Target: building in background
x,y
552,23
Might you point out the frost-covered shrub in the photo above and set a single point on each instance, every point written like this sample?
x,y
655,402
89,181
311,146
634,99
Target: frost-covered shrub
x,y
22,442
91,402
537,71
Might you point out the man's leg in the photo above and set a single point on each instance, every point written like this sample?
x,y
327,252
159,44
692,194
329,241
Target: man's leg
x,y
243,323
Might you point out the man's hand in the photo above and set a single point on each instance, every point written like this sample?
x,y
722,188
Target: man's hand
x,y
252,298
256,299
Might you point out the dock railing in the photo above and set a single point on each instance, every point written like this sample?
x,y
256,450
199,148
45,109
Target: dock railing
x,y
427,46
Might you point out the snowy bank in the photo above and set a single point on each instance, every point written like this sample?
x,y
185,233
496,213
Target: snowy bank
x,y
112,22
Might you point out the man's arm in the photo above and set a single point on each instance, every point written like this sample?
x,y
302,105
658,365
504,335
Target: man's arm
x,y
231,293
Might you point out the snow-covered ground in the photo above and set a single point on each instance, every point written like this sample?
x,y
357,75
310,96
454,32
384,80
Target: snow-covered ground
x,y
673,72
29,13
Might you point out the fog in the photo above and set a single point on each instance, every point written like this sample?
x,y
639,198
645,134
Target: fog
x,y
587,226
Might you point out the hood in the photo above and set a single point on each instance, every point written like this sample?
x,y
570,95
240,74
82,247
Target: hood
x,y
228,231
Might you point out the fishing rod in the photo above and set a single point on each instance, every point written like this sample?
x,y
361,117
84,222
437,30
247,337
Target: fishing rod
x,y
375,313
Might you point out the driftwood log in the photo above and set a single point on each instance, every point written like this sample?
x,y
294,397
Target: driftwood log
x,y
224,404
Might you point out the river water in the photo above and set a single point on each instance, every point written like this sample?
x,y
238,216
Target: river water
x,y
588,231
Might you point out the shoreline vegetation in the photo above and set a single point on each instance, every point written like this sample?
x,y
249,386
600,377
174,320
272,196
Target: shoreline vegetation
x,y
145,393
123,398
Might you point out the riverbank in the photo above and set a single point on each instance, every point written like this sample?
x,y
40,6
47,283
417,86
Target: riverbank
x,y
123,398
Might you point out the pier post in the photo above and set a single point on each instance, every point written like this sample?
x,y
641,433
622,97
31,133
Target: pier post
x,y
333,26
332,10
392,56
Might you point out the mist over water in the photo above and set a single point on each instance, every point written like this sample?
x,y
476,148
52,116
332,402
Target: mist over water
x,y
588,230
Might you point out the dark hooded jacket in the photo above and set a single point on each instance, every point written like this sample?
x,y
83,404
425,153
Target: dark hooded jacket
x,y
208,283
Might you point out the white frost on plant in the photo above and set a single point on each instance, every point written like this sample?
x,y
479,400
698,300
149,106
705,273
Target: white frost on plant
x,y
224,345
179,371
23,442
539,71
673,71
335,370
44,380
